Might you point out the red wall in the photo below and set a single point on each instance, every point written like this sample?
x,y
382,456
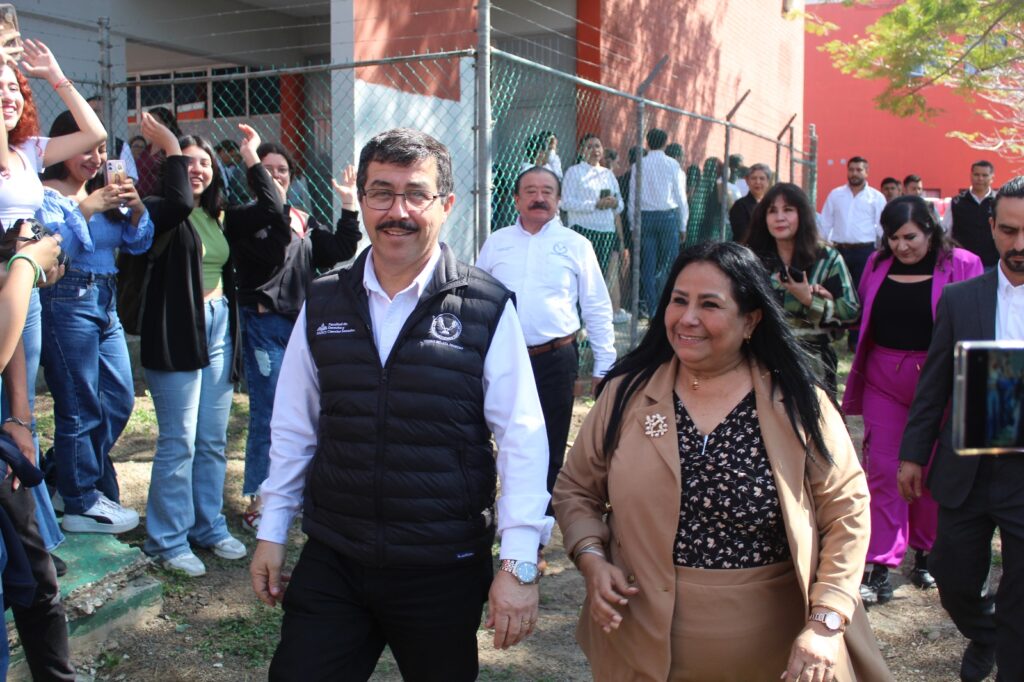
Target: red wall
x,y
849,124
717,49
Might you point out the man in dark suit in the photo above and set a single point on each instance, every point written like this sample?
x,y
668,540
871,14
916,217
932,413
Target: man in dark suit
x,y
976,495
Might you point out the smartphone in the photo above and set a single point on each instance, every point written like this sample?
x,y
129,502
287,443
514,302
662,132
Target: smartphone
x,y
10,35
796,275
988,398
604,193
116,173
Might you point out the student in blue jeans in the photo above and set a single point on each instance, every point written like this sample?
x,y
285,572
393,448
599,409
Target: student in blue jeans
x,y
274,263
84,352
191,349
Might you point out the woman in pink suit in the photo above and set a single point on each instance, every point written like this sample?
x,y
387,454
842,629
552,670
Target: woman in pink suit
x,y
899,291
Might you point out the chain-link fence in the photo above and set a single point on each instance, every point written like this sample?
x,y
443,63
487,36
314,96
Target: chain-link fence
x,y
680,194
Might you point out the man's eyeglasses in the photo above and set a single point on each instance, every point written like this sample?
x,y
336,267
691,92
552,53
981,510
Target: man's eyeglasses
x,y
415,200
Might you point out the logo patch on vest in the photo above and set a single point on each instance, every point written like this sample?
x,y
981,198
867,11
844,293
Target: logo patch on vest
x,y
445,329
333,328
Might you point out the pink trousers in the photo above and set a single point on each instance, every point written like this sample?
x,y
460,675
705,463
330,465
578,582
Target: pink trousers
x,y
891,377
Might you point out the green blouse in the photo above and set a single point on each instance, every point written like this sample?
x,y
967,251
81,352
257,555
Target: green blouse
x,y
215,247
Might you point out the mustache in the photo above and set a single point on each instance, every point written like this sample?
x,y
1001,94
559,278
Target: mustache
x,y
540,204
1013,253
407,225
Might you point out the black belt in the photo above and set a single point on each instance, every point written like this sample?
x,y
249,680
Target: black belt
x,y
858,245
551,345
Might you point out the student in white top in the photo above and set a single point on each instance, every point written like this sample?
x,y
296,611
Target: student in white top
x,y
593,202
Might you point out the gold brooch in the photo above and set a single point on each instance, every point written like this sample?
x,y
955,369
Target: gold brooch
x,y
655,426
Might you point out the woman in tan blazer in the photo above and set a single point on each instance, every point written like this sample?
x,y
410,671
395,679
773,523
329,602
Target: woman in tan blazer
x,y
713,499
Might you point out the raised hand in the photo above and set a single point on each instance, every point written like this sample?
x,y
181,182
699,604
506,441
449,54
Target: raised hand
x,y
346,189
250,143
159,135
37,61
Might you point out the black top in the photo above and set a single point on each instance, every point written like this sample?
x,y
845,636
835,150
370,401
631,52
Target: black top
x,y
971,227
901,318
173,329
274,265
739,216
730,516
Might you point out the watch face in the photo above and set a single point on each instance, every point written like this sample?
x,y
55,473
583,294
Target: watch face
x,y
833,621
525,571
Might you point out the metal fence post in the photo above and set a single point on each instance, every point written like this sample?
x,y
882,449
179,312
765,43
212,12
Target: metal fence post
x,y
812,175
792,159
724,224
107,80
483,123
637,225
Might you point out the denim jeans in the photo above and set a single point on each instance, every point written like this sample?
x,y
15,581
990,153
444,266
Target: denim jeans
x,y
659,246
186,488
49,529
86,363
264,338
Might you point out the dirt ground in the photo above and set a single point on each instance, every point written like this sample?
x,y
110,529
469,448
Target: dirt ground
x,y
212,628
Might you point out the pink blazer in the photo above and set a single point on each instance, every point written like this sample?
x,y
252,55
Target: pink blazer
x,y
958,266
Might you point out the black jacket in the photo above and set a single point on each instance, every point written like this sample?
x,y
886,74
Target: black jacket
x,y
404,471
275,267
739,216
966,312
173,319
971,226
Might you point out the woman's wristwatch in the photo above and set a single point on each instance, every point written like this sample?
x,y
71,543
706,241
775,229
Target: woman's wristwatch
x,y
526,572
830,619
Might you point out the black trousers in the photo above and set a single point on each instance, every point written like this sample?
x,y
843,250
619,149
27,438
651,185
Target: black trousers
x,y
338,615
962,556
555,374
41,626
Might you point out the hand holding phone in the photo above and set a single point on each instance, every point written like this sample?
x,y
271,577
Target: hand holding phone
x,y
10,35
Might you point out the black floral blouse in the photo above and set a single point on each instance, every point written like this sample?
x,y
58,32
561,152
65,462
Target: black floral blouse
x,y
730,515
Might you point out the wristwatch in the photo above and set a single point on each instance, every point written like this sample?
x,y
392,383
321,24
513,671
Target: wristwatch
x,y
830,619
526,572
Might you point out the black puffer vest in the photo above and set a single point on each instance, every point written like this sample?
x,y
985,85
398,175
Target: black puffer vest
x,y
971,227
404,471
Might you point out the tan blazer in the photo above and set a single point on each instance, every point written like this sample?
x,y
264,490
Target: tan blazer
x,y
825,509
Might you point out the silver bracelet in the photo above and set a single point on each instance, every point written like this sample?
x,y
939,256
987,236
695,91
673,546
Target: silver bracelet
x,y
590,549
22,423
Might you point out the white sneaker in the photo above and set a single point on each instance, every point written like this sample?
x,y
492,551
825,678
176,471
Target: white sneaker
x,y
105,516
187,563
621,317
58,502
229,548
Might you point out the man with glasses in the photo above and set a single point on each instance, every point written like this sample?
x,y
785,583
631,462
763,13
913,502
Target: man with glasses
x,y
553,272
399,369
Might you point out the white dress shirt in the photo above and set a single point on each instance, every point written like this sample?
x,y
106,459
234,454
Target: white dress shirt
x,y
664,187
581,190
947,217
551,272
511,410
1009,309
849,218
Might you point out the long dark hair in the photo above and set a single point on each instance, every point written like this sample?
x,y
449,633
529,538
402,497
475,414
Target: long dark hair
x,y
212,198
65,124
912,209
805,243
772,344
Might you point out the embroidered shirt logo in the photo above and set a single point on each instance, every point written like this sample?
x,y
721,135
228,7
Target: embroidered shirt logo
x,y
332,328
560,249
446,327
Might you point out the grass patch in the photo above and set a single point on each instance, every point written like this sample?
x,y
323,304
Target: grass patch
x,y
252,638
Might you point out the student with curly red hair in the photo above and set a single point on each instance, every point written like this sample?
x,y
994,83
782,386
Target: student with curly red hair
x,y
23,154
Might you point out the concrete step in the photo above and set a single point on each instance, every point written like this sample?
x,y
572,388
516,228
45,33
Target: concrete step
x,y
106,590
